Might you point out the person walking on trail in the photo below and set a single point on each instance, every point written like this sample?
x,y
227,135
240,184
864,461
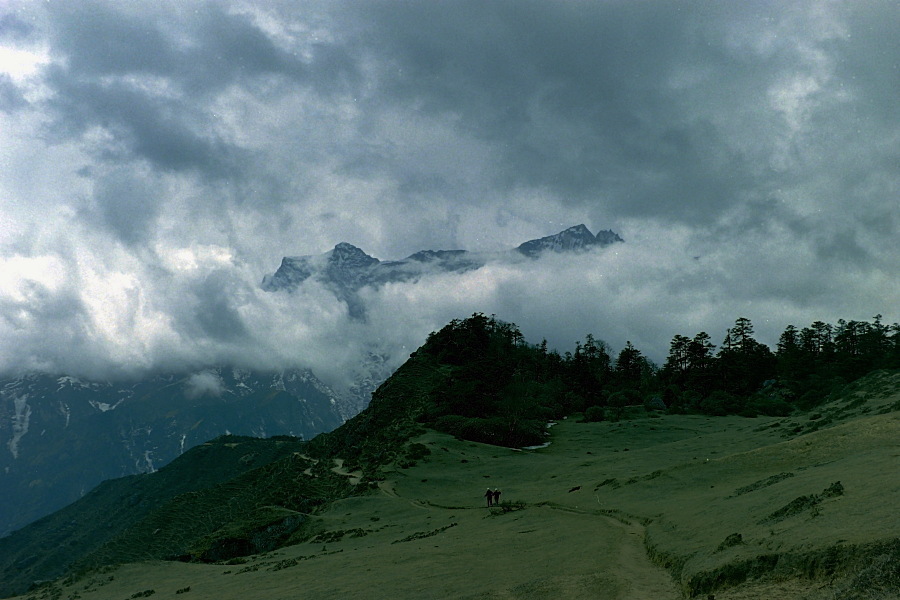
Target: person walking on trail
x,y
497,497
490,497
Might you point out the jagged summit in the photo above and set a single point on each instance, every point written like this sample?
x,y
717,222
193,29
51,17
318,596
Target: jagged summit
x,y
573,239
435,255
607,236
346,268
347,256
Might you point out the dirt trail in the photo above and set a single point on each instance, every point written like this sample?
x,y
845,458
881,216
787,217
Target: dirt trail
x,y
643,579
389,491
354,476
626,572
638,577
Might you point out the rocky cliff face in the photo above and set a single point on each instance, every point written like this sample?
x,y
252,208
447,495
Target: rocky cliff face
x,y
346,269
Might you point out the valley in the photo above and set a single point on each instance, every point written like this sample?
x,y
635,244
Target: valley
x,y
651,506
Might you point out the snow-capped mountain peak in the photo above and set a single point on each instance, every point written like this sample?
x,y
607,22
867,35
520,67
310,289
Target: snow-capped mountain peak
x,y
346,268
347,256
574,239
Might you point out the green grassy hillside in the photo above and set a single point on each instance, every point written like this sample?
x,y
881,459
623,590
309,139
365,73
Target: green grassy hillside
x,y
230,497
696,504
54,544
652,506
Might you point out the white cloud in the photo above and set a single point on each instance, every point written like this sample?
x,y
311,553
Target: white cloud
x,y
162,158
205,383
19,64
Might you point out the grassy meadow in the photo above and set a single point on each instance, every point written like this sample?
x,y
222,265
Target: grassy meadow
x,y
652,506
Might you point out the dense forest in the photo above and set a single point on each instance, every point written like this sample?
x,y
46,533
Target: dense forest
x,y
500,389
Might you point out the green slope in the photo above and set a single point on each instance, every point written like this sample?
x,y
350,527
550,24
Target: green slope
x,y
50,546
717,501
584,515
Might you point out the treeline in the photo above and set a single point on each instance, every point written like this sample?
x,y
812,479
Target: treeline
x,y
500,389
747,377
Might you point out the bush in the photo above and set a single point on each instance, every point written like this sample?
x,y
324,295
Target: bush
x,y
719,404
685,402
496,431
768,405
619,400
594,414
417,451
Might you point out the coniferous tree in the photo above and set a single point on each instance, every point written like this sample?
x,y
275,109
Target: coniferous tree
x,y
678,362
743,363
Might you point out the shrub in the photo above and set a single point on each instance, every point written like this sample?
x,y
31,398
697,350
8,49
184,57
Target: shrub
x,y
770,406
735,539
594,414
506,507
719,404
496,430
417,451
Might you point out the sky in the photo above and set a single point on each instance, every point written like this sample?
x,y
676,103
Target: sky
x,y
158,158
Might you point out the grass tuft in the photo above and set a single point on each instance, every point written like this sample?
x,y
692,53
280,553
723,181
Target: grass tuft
x,y
879,579
507,507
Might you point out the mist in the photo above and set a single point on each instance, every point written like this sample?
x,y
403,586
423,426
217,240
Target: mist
x,y
158,159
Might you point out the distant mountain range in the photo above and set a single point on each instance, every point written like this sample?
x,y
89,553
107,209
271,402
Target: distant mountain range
x,y
60,436
574,239
346,269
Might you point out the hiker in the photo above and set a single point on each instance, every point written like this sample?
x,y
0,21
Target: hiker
x,y
497,497
490,496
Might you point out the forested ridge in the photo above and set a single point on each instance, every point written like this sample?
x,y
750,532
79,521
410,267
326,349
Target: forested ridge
x,y
500,389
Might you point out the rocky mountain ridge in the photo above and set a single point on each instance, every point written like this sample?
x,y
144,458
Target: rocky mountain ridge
x,y
574,239
346,269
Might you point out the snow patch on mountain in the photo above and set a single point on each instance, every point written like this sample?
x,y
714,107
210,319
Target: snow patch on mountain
x,y
147,466
20,421
105,406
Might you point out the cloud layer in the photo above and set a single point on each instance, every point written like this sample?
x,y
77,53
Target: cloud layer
x,y
157,159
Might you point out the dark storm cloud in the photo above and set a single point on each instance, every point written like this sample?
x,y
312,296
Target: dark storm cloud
x,y
45,328
40,304
214,308
170,134
872,61
578,97
149,82
203,52
12,27
163,157
11,98
125,204
97,39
